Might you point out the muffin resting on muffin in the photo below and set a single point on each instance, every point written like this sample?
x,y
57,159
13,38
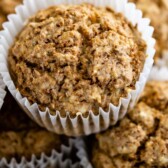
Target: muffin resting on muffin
x,y
77,58
157,12
7,7
139,140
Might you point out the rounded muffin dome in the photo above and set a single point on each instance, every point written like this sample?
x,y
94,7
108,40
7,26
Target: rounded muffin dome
x,y
77,58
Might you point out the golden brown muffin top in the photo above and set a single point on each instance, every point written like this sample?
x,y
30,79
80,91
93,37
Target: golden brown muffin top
x,y
7,7
139,140
77,58
157,11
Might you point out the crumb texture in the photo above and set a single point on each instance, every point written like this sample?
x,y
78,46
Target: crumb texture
x,y
140,140
77,58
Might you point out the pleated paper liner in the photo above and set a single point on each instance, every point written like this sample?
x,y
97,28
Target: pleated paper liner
x,y
82,154
79,125
61,159
2,91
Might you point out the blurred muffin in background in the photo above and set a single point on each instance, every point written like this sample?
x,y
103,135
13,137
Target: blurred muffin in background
x,y
157,11
7,7
20,136
140,140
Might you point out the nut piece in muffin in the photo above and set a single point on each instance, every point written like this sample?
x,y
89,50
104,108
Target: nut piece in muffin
x,y
157,12
7,7
77,58
140,140
20,136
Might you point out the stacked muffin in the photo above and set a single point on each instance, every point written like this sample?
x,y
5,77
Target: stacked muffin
x,y
77,62
69,64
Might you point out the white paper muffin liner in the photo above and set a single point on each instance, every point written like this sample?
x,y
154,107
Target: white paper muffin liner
x,y
79,125
55,160
2,91
82,154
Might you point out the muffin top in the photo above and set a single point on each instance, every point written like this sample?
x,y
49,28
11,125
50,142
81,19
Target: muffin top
x,y
139,140
77,58
7,7
20,136
157,11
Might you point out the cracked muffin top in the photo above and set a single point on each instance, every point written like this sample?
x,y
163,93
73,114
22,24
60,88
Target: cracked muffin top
x,y
7,7
20,136
157,11
140,140
77,58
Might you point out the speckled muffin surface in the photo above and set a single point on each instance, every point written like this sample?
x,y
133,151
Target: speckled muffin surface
x,y
20,136
81,58
7,7
140,140
157,12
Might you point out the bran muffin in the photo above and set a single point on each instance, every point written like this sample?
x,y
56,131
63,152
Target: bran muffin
x,y
157,11
76,58
7,7
20,136
140,140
